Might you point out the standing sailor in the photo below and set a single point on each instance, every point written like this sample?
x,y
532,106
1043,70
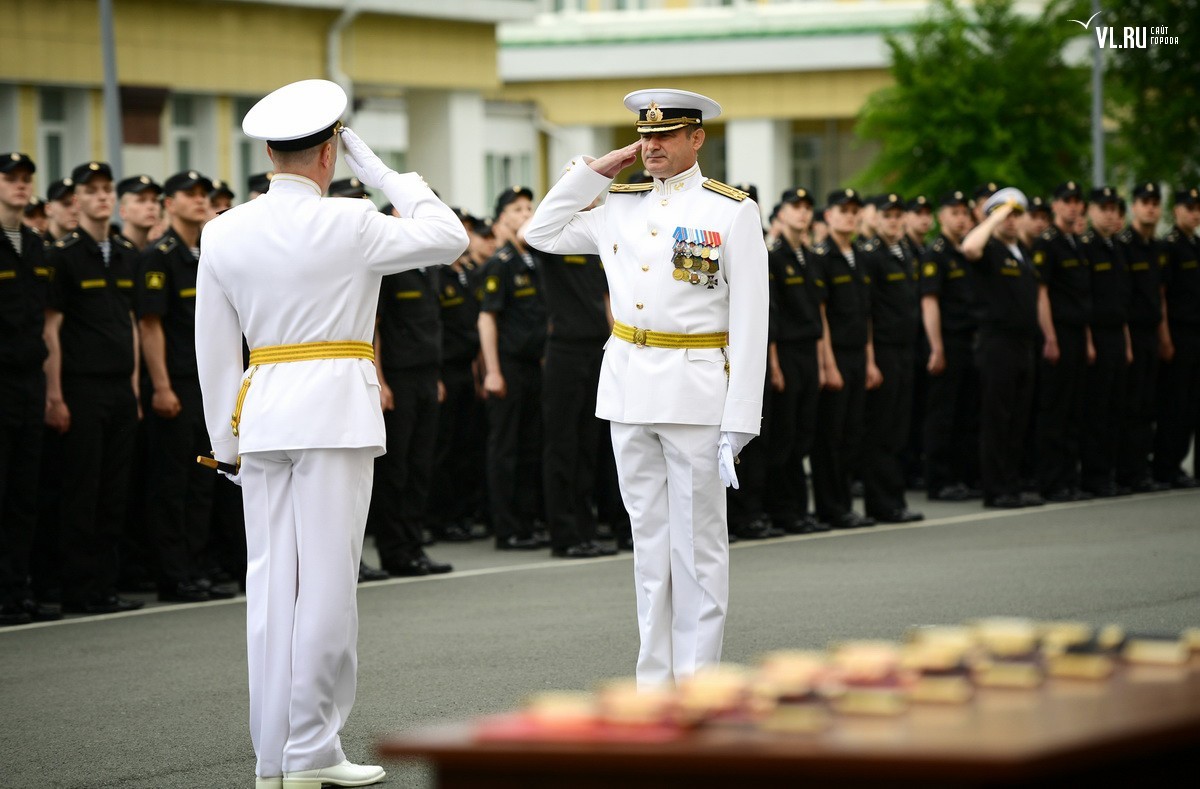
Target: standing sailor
x,y
299,276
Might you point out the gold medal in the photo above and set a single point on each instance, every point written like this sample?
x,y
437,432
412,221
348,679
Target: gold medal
x,y
688,262
705,252
704,266
679,274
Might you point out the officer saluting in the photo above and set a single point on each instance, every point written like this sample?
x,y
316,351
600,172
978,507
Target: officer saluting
x,y
299,276
682,377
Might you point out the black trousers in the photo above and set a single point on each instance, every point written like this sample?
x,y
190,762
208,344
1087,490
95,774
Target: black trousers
x,y
1178,403
400,496
610,507
458,478
180,490
888,410
912,457
96,453
1006,377
514,451
569,381
789,427
22,411
1060,412
952,417
1137,424
1103,408
746,504
838,442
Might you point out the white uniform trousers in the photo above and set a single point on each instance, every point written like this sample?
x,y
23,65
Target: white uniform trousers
x,y
306,511
676,502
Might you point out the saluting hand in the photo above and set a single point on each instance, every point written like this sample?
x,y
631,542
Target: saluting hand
x,y
614,162
363,162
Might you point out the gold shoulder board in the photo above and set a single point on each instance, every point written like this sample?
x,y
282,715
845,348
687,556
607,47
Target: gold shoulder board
x,y
725,190
625,188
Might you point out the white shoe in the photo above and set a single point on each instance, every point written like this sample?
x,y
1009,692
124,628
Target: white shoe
x,y
275,782
345,774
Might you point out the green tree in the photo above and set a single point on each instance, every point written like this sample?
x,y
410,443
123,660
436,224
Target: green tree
x,y
980,95
1154,93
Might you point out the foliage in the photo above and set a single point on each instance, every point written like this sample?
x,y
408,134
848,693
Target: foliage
x,y
980,95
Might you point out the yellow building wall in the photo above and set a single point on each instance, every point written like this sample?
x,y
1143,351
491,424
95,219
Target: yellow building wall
x,y
800,96
235,48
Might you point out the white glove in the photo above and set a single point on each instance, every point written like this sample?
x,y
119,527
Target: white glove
x,y
236,479
725,462
737,441
363,162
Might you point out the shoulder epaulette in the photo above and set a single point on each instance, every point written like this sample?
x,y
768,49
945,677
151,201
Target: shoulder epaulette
x,y
1126,235
167,244
125,242
938,245
725,190
821,247
504,254
1172,235
627,188
775,245
869,244
1089,237
68,241
1049,234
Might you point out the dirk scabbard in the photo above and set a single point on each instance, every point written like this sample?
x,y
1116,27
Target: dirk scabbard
x,y
217,465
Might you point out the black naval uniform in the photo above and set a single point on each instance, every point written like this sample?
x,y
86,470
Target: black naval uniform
x,y
409,328
179,491
790,420
895,316
1104,379
1179,384
459,474
838,442
573,287
1065,273
912,457
1146,258
23,282
512,292
95,298
1008,332
952,398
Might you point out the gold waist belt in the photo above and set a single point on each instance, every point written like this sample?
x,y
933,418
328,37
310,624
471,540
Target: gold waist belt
x,y
301,352
662,339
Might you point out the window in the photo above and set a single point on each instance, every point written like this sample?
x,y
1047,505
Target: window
x,y
183,132
806,163
251,156
505,170
62,137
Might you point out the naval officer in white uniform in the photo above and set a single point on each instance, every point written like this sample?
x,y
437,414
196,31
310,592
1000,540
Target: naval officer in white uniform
x,y
299,276
682,378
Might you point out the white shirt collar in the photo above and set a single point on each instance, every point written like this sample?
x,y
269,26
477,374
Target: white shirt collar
x,y
291,182
677,183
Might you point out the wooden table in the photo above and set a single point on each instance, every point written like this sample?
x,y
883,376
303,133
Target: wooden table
x,y
1142,726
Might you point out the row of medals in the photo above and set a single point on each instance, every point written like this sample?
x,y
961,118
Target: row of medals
x,y
696,263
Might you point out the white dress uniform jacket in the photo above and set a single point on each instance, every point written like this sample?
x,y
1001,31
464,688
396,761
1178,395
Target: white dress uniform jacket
x,y
634,234
294,267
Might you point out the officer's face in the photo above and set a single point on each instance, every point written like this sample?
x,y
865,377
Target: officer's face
x,y
96,199
891,223
796,217
1187,217
1147,210
1034,223
1105,218
665,154
917,223
190,205
1068,210
63,213
955,220
842,219
140,210
515,214
16,188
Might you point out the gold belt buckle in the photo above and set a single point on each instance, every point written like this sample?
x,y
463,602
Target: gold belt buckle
x,y
639,337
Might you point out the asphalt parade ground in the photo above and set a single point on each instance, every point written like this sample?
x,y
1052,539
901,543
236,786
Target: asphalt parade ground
x,y
157,699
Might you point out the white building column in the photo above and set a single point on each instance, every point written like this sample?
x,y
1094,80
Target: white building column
x,y
446,145
759,151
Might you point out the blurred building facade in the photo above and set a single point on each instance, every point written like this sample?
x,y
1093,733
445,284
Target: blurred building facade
x,y
475,94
